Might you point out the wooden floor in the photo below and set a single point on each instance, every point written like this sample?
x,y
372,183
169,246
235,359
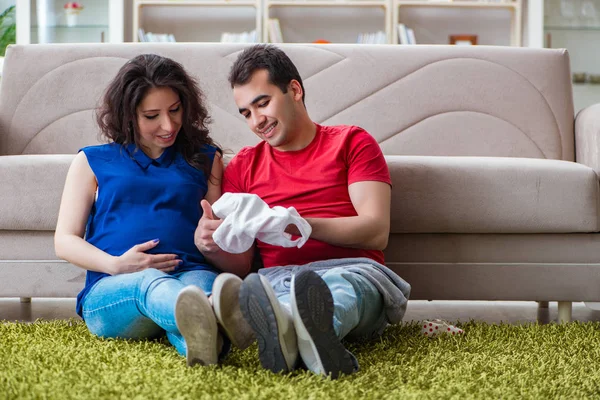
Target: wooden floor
x,y
514,312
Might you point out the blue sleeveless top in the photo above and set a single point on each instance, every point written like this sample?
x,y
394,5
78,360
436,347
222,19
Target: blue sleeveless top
x,y
140,199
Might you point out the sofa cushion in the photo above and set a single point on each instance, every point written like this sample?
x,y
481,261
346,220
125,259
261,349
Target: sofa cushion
x,y
417,100
430,194
32,186
492,195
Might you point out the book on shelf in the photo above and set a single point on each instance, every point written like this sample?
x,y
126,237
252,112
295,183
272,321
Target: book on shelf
x,y
372,38
155,37
411,36
244,37
275,35
406,35
402,34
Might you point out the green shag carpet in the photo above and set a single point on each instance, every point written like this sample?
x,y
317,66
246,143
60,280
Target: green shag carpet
x,y
62,360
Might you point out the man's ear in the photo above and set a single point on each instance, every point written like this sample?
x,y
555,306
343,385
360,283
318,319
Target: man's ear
x,y
296,89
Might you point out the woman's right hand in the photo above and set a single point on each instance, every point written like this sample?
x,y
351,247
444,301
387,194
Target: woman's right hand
x,y
136,259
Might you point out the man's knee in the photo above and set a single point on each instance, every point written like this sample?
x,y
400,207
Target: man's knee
x,y
352,281
369,301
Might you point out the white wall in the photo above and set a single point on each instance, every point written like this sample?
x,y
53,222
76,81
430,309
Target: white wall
x,y
93,13
4,4
92,22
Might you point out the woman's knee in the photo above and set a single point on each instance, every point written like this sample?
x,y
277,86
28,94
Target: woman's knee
x,y
150,277
151,273
204,279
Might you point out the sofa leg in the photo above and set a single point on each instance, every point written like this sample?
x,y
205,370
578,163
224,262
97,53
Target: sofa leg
x,y
543,304
25,299
564,311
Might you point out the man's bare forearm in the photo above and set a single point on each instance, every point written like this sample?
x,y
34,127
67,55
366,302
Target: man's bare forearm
x,y
238,264
362,232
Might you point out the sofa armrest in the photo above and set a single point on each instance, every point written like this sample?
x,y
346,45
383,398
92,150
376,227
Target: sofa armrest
x,y
31,189
587,137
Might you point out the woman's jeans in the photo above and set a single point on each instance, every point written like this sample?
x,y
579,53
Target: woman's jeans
x,y
141,305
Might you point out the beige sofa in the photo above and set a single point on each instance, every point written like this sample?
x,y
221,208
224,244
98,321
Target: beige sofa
x,y
495,185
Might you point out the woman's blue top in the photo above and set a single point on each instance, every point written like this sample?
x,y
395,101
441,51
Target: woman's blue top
x,y
140,199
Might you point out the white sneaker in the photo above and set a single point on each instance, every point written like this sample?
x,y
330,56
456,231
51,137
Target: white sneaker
x,y
226,303
197,324
274,329
312,310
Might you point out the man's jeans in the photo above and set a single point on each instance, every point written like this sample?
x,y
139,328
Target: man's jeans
x,y
141,304
358,305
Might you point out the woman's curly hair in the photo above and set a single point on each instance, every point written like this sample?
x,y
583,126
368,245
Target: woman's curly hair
x,y
117,114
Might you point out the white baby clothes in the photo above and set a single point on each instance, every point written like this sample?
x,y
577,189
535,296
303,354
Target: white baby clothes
x,y
247,217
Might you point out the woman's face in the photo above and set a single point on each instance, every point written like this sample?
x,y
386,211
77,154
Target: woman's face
x,y
159,116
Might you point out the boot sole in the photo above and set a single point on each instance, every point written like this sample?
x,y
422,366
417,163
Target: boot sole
x,y
197,324
320,348
258,311
226,303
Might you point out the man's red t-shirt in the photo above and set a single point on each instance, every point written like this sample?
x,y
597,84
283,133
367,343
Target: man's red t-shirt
x,y
314,181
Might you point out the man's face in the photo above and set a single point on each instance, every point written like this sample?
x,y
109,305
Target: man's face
x,y
270,113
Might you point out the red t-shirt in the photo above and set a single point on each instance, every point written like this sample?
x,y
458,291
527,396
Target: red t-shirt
x,y
314,181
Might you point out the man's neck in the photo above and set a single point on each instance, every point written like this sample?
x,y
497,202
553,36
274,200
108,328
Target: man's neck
x,y
306,131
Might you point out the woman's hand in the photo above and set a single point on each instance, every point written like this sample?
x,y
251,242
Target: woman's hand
x,y
136,259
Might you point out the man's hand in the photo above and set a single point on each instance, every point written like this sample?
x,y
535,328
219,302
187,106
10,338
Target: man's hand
x,y
208,224
136,259
293,230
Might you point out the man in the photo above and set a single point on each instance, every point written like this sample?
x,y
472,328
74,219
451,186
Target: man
x,y
337,179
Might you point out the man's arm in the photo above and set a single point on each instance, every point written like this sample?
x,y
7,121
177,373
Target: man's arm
x,y
238,264
370,229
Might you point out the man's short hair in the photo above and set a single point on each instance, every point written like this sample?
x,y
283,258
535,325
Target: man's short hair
x,y
265,57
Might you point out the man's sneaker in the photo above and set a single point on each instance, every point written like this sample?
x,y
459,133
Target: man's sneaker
x,y
277,347
226,303
197,324
312,309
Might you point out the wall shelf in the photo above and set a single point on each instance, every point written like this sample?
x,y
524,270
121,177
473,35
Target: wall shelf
x,y
460,4
333,3
514,7
207,3
339,21
76,27
572,28
351,17
241,15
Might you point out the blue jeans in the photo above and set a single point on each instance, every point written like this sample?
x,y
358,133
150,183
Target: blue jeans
x,y
358,305
141,305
